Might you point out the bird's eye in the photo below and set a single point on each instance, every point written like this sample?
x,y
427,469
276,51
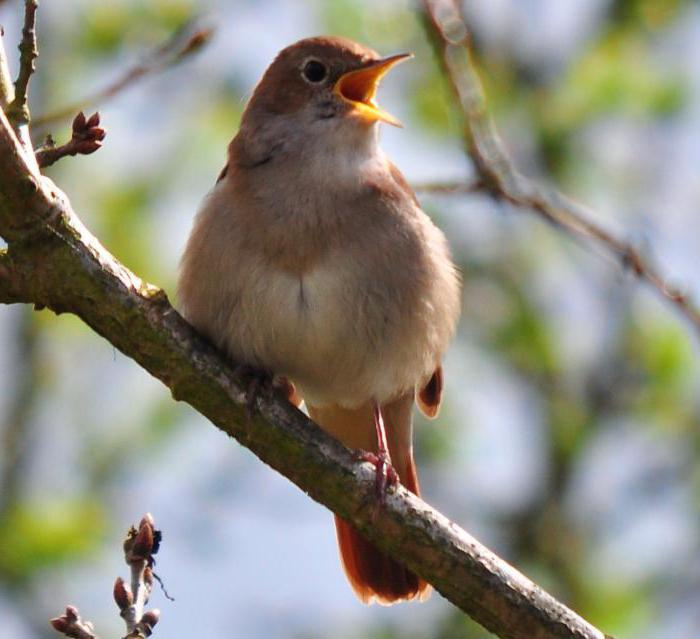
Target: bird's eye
x,y
314,71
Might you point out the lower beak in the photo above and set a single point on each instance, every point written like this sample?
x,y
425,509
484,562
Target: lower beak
x,y
359,87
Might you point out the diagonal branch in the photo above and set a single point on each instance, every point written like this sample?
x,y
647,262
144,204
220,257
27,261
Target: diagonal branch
x,y
54,261
496,174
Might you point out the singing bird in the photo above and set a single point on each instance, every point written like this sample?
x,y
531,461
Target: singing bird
x,y
311,258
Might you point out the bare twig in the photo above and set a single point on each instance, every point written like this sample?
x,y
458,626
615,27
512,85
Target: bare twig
x,y
86,138
449,36
186,41
139,547
18,109
70,624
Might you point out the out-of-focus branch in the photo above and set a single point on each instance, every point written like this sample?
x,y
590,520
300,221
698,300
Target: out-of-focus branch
x,y
449,36
186,41
448,188
86,138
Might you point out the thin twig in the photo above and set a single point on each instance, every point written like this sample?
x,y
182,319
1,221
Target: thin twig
x,y
139,547
18,110
175,49
86,138
448,33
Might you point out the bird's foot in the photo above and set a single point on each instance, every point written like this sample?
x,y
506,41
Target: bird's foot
x,y
258,381
385,474
284,386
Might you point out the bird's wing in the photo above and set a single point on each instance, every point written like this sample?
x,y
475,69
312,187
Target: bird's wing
x,y
430,395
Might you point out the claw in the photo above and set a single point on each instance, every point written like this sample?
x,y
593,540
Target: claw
x,y
385,476
259,381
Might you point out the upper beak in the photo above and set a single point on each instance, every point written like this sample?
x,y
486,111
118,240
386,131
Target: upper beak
x,y
359,87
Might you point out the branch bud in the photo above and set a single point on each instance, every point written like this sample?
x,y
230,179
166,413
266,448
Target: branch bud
x,y
123,596
60,624
150,618
143,543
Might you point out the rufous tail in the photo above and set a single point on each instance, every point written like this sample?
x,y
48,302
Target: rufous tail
x,y
373,575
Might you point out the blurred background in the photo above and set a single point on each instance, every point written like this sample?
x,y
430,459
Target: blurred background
x,y
569,438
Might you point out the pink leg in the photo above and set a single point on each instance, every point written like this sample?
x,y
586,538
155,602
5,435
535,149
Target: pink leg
x,y
386,475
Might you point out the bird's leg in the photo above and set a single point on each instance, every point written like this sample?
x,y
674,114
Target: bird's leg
x,y
386,475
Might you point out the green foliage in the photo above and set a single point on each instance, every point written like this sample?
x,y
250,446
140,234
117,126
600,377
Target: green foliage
x,y
431,103
379,25
646,14
124,222
35,536
660,356
617,74
623,609
522,335
106,29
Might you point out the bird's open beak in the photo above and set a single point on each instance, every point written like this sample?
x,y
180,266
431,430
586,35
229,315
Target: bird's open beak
x,y
359,87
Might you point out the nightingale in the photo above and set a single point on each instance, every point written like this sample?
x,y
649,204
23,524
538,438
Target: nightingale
x,y
312,259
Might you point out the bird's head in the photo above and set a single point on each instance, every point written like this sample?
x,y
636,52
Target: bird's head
x,y
322,86
332,77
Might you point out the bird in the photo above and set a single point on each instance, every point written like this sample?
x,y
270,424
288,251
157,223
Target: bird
x,y
311,258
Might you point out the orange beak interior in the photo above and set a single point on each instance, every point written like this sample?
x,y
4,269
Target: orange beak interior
x,y
359,88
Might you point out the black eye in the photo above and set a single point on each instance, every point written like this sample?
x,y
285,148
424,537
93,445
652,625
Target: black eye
x,y
315,71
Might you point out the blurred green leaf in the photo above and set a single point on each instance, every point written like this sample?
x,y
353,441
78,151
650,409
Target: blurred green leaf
x,y
651,14
35,536
661,352
106,28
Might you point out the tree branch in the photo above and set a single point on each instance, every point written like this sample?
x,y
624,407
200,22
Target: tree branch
x,y
54,261
496,173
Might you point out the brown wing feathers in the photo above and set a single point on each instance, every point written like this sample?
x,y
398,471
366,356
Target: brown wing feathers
x,y
430,395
